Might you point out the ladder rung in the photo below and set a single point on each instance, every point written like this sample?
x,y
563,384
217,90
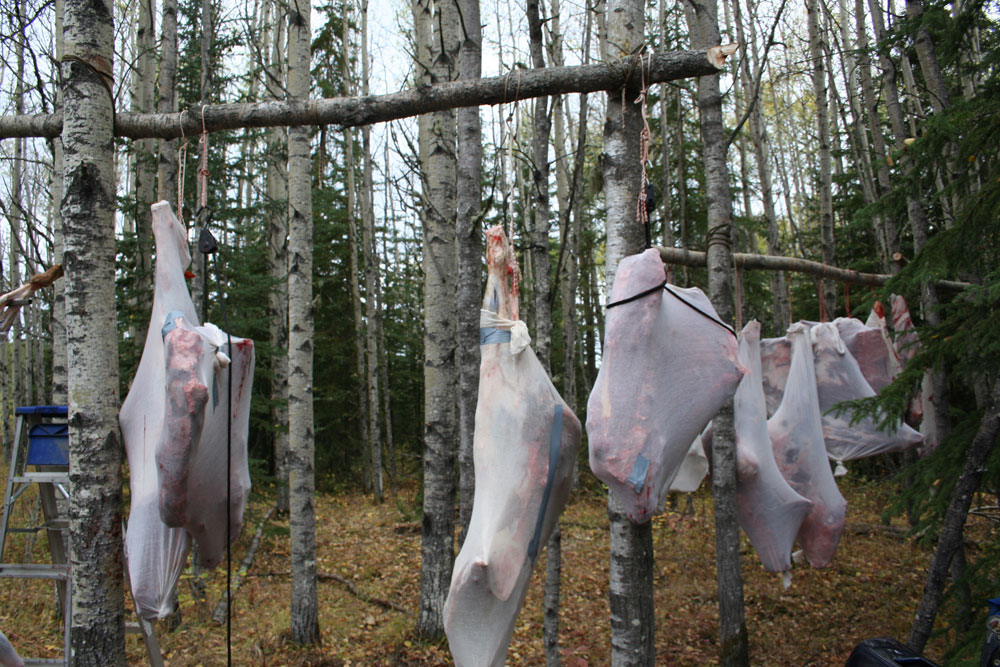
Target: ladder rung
x,y
41,477
34,571
43,661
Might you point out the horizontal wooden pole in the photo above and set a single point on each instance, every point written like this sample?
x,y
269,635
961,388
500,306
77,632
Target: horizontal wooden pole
x,y
751,261
519,84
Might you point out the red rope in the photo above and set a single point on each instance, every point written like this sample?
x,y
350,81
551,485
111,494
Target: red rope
x,y
203,172
641,211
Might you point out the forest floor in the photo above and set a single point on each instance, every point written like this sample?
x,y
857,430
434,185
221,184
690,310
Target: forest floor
x,y
871,589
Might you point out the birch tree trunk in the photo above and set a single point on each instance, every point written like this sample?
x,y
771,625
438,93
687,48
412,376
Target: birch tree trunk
x,y
470,249
277,256
633,630
144,159
541,126
97,622
935,378
166,102
762,155
301,444
58,320
816,53
354,243
926,55
733,645
371,278
889,228
15,219
437,44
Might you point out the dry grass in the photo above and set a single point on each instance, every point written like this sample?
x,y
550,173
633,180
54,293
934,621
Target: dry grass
x,y
871,589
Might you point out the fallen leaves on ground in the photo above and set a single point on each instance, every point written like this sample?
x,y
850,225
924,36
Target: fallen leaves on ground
x,y
871,589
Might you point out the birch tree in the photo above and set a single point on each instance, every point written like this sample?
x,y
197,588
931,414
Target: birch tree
x,y
371,277
58,319
819,79
437,45
144,174
733,644
166,102
98,621
631,573
470,248
301,444
277,251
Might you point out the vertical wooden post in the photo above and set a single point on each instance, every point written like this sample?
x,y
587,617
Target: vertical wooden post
x,y
98,626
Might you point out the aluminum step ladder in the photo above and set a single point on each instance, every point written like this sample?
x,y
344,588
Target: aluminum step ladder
x,y
40,457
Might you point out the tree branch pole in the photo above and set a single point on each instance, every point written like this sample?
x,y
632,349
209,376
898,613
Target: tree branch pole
x,y
355,111
778,263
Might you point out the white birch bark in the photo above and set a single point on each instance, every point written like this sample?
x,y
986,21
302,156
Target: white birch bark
x,y
372,287
144,160
58,320
470,249
540,209
762,154
819,80
437,43
733,644
277,255
301,444
166,102
631,573
15,219
97,622
889,231
354,243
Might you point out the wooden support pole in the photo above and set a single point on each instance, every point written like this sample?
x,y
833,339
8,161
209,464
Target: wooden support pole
x,y
777,263
355,111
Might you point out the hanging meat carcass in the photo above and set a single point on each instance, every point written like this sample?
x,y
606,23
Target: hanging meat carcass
x,y
692,470
191,453
839,378
871,348
156,552
770,510
173,423
796,432
525,446
668,365
8,656
922,408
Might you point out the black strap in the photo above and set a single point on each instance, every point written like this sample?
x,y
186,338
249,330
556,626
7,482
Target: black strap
x,y
655,288
687,303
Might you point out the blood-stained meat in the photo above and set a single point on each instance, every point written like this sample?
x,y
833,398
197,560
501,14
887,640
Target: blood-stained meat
x,y
796,432
174,423
770,510
668,366
525,446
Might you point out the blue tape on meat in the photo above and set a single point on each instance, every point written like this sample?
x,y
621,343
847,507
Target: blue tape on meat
x,y
639,470
555,442
489,335
168,322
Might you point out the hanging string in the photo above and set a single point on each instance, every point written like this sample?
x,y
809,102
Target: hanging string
x,y
203,172
509,149
181,168
641,208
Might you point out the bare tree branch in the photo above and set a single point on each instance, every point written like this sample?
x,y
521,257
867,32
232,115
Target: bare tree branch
x,y
356,111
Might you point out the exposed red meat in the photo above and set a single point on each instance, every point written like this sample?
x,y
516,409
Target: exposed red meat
x,y
525,446
666,370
